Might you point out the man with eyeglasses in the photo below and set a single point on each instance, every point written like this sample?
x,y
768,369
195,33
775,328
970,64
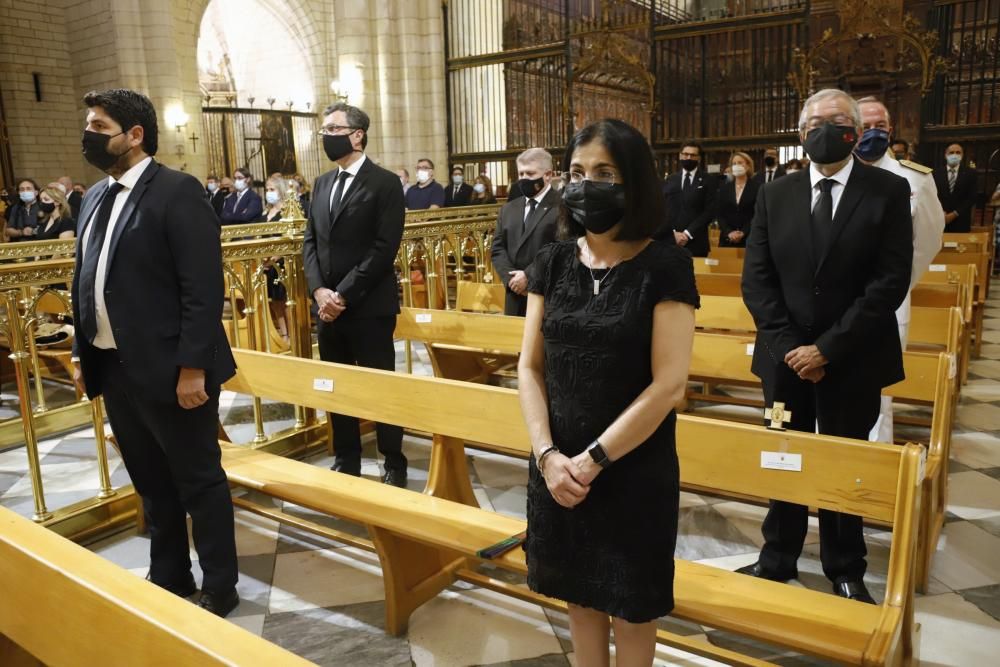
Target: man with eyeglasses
x,y
524,225
351,240
690,195
827,265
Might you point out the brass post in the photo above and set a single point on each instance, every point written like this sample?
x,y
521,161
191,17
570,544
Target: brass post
x,y
294,335
36,365
405,255
97,410
430,262
21,359
249,312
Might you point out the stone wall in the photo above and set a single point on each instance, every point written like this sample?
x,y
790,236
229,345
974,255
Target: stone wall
x,y
393,50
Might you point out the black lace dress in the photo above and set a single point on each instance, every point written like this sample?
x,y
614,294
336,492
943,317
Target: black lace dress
x,y
613,552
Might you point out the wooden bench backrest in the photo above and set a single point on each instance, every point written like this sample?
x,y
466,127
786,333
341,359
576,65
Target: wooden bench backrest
x,y
980,260
728,253
724,312
837,474
718,265
480,297
67,606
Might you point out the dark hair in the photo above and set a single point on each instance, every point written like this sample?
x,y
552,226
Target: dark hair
x,y
427,160
211,177
630,152
246,173
906,144
128,108
693,144
458,167
794,163
356,118
17,183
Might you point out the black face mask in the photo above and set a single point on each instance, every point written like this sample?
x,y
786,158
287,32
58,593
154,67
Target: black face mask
x,y
47,207
337,146
900,156
95,149
829,143
596,206
689,165
530,187
770,161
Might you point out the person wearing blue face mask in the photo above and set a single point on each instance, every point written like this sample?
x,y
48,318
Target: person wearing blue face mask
x,y
277,295
23,213
928,219
956,186
244,204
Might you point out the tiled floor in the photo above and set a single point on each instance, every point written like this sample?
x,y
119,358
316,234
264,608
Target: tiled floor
x,y
325,601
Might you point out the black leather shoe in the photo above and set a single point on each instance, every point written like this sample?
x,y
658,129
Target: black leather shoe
x,y
219,604
756,570
854,590
185,589
395,478
347,468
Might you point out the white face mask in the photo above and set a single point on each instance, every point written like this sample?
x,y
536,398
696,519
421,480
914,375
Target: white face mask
x,y
240,184
423,175
791,171
212,187
457,179
738,170
479,188
272,197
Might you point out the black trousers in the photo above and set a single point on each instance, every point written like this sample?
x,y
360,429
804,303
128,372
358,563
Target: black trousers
x,y
364,342
174,460
838,410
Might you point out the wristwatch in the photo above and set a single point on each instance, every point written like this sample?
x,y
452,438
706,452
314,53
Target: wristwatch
x,y
597,453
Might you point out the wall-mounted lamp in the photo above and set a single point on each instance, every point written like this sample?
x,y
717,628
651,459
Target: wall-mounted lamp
x,y
339,93
177,117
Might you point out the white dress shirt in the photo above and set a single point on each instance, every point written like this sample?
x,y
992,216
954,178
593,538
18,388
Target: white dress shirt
x,y
538,199
840,182
353,171
105,339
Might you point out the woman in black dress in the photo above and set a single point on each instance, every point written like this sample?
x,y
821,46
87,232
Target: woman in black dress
x,y
55,219
607,344
737,200
274,196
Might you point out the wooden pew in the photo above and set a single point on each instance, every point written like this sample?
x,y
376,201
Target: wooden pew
x,y
725,359
981,261
425,543
63,605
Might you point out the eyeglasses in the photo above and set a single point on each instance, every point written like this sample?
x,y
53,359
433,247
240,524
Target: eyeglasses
x,y
839,119
334,129
603,176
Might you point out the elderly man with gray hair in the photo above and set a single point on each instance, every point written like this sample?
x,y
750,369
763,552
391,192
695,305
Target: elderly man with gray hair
x,y
524,226
827,264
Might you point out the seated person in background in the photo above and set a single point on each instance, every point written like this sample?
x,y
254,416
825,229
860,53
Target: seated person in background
x,y
274,197
244,205
459,191
73,198
24,212
55,218
900,149
427,193
303,189
482,191
793,166
736,201
772,168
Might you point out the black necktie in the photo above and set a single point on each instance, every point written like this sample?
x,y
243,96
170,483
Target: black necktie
x,y
532,203
770,175
88,274
338,194
687,180
822,217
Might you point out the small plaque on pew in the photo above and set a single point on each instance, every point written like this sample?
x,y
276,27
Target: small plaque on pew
x,y
937,268
778,416
951,244
424,318
323,384
750,349
711,262
781,461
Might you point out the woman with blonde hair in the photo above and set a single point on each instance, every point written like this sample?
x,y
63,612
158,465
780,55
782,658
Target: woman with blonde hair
x,y
736,202
274,196
55,219
482,191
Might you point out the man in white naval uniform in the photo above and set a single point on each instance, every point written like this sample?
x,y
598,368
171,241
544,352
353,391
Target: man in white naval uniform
x,y
928,220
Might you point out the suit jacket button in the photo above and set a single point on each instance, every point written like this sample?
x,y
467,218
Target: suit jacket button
x,y
816,291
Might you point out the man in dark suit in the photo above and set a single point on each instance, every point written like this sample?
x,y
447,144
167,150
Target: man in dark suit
x,y
244,205
827,264
772,169
354,230
459,192
690,196
73,197
956,187
147,302
215,194
524,226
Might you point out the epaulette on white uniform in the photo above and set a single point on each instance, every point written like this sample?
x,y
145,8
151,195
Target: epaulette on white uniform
x,y
916,166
